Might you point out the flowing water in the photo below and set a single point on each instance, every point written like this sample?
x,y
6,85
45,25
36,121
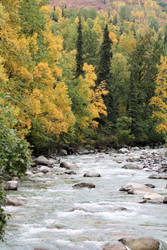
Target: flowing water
x,y
56,216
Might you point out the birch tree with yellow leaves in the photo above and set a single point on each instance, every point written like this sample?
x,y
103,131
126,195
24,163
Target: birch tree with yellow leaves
x,y
159,101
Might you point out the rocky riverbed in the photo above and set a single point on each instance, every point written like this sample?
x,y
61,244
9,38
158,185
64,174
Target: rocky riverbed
x,y
109,200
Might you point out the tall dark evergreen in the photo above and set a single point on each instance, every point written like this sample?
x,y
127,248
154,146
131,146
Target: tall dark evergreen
x,y
103,71
79,55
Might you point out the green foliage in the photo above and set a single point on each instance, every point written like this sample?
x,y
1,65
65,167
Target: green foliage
x,y
125,12
32,19
14,151
79,55
123,130
3,216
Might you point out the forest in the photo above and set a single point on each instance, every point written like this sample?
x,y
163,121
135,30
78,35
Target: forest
x,y
73,77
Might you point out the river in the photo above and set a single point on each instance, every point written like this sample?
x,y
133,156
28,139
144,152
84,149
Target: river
x,y
57,216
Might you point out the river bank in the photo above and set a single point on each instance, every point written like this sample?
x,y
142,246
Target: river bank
x,y
55,215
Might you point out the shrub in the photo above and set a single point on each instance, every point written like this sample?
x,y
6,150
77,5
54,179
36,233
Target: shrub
x,y
15,155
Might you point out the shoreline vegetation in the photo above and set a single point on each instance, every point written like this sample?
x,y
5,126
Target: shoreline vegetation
x,y
79,78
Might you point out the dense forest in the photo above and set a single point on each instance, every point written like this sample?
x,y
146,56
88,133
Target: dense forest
x,y
74,77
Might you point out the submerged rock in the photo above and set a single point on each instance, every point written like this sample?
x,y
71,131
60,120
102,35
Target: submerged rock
x,y
158,177
141,243
83,185
132,166
114,246
71,172
10,201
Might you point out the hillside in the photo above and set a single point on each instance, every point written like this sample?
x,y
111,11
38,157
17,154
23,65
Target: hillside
x,y
101,4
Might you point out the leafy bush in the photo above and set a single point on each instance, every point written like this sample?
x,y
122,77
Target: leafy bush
x,y
15,155
123,130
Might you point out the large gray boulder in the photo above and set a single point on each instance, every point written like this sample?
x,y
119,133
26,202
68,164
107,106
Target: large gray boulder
x,y
141,243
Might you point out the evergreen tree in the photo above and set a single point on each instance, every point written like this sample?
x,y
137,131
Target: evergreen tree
x,y
79,55
103,72
143,61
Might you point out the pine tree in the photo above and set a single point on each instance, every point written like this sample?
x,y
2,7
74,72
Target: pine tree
x,y
79,55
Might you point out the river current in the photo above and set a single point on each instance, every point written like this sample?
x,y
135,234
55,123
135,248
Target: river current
x,y
57,216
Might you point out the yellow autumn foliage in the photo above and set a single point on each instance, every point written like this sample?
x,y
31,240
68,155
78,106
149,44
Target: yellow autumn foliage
x,y
159,101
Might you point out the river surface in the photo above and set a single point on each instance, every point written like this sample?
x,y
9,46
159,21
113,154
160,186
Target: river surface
x,y
56,216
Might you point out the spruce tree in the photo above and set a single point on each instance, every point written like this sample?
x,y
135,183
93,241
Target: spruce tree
x,y
79,55
103,71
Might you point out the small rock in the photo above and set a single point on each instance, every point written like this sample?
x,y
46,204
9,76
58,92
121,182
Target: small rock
x,y
91,175
150,185
165,200
67,165
114,246
44,169
123,150
55,226
11,185
141,243
84,185
63,152
70,172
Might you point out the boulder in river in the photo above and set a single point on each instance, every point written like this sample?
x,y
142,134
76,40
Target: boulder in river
x,y
141,243
11,185
11,201
84,185
67,165
88,174
135,188
114,246
153,198
42,160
